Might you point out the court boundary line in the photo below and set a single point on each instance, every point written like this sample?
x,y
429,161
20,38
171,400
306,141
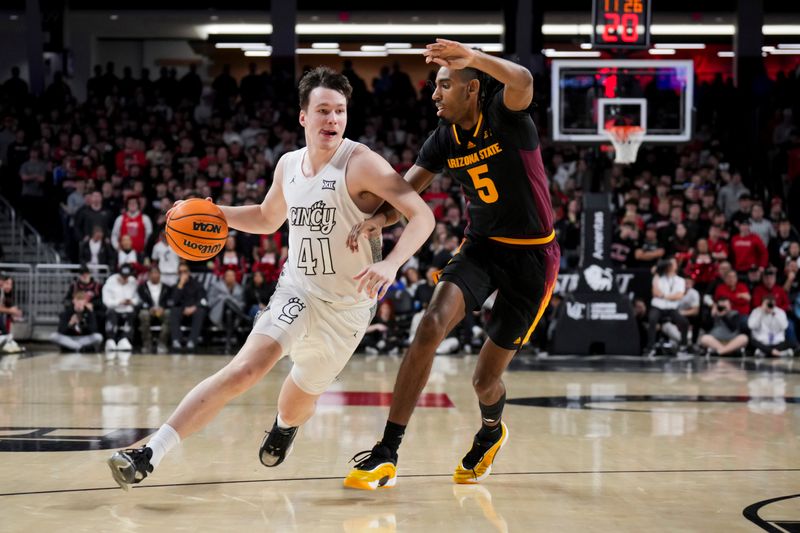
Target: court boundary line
x,y
329,478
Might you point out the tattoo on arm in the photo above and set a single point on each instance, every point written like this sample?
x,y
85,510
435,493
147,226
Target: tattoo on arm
x,y
375,246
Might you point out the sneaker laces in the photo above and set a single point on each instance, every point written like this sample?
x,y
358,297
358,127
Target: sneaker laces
x,y
278,438
141,461
368,459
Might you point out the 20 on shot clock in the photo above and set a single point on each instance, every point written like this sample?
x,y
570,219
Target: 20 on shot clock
x,y
621,23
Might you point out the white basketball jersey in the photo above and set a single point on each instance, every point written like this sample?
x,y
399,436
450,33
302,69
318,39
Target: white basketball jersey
x,y
321,214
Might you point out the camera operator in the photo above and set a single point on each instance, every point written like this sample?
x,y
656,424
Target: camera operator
x,y
768,324
724,337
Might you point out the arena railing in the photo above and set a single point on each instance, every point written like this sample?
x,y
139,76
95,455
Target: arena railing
x,y
40,291
24,242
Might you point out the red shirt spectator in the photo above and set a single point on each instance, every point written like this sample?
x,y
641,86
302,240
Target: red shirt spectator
x,y
769,286
130,156
748,249
736,292
717,245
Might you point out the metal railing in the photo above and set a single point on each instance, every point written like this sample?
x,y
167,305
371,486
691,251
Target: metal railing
x,y
25,241
50,286
7,212
40,290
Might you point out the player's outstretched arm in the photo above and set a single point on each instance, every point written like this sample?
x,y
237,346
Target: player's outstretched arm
x,y
517,79
371,173
386,215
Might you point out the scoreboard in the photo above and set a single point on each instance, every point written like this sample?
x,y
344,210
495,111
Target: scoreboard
x,y
621,23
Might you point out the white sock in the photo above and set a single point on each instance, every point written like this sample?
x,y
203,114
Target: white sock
x,y
282,424
162,442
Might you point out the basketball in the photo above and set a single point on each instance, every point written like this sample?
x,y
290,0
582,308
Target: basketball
x,y
197,230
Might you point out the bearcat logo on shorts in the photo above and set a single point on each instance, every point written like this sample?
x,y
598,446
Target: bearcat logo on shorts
x,y
291,310
205,226
318,217
599,278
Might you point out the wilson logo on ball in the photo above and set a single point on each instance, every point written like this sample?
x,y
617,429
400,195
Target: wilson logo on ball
x,y
202,248
204,226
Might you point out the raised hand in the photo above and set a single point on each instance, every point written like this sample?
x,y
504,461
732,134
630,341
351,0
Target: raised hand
x,y
450,54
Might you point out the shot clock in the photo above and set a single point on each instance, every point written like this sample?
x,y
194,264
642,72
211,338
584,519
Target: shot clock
x,y
621,23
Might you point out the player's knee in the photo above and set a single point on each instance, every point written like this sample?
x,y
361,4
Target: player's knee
x,y
296,414
431,328
483,385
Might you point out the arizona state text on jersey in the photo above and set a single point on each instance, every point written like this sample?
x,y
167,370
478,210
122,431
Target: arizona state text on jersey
x,y
498,164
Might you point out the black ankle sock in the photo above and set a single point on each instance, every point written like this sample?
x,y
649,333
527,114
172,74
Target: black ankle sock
x,y
490,416
392,435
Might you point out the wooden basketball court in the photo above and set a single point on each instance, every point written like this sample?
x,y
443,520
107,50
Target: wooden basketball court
x,y
596,444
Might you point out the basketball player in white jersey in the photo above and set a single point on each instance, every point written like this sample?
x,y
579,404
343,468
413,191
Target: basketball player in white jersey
x,y
326,294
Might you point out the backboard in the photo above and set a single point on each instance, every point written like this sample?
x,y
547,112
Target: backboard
x,y
589,95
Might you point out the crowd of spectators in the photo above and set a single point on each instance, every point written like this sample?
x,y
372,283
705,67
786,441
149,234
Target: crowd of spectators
x,y
97,178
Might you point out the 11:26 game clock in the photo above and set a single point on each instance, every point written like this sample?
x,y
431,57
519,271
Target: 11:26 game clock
x,y
621,23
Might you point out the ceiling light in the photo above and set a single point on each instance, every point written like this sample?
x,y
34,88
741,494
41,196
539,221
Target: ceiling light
x,y
372,48
397,45
357,53
399,29
316,51
236,45
567,29
781,29
586,46
114,17
661,52
237,29
785,52
258,53
550,52
789,46
358,29
406,51
681,46
692,29
323,46
725,53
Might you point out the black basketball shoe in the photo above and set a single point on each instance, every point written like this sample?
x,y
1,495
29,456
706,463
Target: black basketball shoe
x,y
277,444
374,469
131,466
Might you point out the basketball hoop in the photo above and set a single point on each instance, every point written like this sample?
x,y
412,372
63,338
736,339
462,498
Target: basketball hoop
x,y
626,140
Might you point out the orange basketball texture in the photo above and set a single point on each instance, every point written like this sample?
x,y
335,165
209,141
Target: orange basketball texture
x,y
197,230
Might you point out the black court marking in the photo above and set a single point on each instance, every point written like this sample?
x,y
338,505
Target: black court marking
x,y
197,236
408,476
773,526
638,364
585,402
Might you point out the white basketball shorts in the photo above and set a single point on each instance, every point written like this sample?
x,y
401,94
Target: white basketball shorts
x,y
320,337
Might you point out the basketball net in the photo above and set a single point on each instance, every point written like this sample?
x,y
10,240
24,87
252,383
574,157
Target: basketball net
x,y
626,140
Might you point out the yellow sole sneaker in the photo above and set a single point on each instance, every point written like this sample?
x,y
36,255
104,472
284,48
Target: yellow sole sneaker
x,y
383,476
484,467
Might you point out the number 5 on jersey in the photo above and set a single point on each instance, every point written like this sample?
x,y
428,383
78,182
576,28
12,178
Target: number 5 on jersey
x,y
310,256
485,186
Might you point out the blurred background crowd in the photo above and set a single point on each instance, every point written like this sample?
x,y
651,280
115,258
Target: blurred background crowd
x,y
96,177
